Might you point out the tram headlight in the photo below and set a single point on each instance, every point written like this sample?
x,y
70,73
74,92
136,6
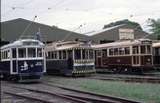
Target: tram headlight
x,y
148,60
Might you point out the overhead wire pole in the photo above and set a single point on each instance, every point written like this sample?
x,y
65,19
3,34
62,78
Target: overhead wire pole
x,y
27,27
67,35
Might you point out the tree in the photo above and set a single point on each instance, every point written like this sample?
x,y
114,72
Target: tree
x,y
125,21
155,27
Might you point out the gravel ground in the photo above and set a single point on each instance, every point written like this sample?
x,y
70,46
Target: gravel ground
x,y
147,92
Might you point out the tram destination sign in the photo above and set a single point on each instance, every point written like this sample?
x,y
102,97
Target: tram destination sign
x,y
30,43
146,42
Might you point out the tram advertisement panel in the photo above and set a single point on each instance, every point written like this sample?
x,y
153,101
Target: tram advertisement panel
x,y
30,66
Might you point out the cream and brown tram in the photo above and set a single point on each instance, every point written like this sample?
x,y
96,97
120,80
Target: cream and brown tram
x,y
156,55
72,58
128,56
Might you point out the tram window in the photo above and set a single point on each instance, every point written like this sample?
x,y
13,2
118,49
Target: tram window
x,y
135,49
148,49
60,55
55,55
77,54
104,52
143,50
111,51
14,54
70,55
22,52
121,51
98,52
90,54
115,51
87,54
127,50
39,52
49,55
31,52
157,51
1,55
83,54
4,54
8,54
64,54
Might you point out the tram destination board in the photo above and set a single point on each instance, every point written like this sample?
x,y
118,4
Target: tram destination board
x,y
30,43
146,42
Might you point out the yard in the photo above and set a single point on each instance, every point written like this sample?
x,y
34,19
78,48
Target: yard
x,y
145,92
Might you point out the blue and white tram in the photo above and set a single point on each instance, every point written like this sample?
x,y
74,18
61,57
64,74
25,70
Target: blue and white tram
x,y
23,60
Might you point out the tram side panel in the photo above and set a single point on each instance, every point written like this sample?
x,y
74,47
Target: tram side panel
x,y
5,67
30,67
146,61
156,57
124,61
156,61
59,67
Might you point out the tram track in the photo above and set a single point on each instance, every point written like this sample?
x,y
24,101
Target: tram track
x,y
74,97
40,96
93,97
46,92
126,78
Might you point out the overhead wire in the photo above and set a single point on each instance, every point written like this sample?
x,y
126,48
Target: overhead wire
x,y
67,35
54,6
27,27
18,6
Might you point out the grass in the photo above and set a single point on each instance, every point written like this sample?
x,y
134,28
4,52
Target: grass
x,y
146,92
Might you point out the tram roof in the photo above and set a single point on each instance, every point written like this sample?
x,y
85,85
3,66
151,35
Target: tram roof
x,y
156,44
66,45
120,43
20,43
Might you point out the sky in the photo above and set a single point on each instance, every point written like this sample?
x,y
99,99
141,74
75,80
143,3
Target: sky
x,y
82,16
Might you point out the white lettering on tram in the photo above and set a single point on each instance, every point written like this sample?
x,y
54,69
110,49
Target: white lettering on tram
x,y
24,66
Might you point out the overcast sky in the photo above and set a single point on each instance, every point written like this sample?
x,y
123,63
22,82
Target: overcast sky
x,y
91,14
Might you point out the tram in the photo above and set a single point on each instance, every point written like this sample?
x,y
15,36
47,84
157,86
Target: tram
x,y
156,55
71,58
23,60
125,56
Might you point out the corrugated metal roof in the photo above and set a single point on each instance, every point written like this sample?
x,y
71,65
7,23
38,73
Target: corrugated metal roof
x,y
104,30
13,29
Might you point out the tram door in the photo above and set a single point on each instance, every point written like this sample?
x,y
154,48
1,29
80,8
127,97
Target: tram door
x,y
98,58
14,62
136,60
135,57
